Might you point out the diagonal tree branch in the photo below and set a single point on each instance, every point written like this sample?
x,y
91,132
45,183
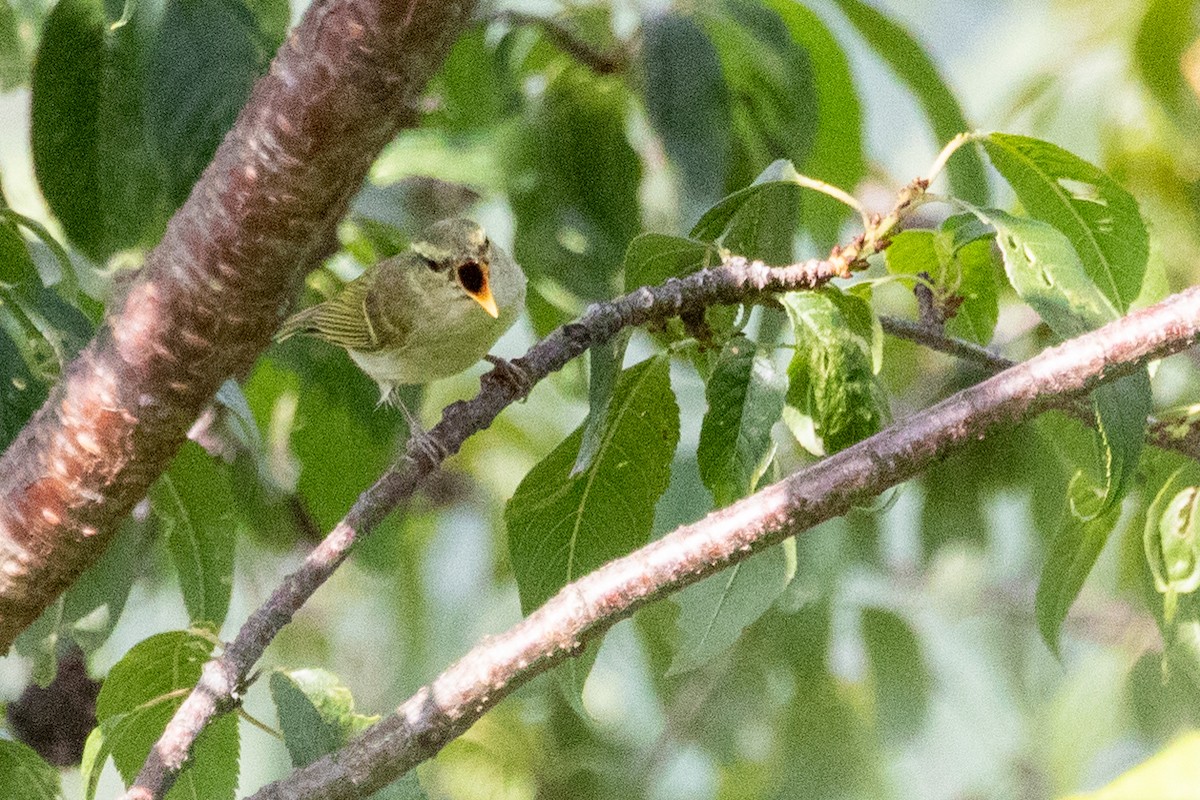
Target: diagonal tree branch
x,y
215,287
585,609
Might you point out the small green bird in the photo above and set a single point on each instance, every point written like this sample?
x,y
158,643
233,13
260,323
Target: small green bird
x,y
427,313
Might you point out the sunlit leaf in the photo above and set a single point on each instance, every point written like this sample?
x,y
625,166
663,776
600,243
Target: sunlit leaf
x,y
562,527
1171,774
1098,216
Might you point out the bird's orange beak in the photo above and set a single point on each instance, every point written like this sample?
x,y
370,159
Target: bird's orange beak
x,y
485,299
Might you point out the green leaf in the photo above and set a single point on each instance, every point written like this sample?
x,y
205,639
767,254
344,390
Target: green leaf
x,y
1121,408
316,713
897,47
139,696
24,774
193,500
604,362
963,271
831,379
67,87
1072,553
748,221
1167,29
93,604
836,153
900,677
21,393
1093,211
201,66
124,117
16,265
771,86
745,396
688,105
1044,269
560,527
573,182
1170,542
652,258
972,277
714,612
472,87
1046,272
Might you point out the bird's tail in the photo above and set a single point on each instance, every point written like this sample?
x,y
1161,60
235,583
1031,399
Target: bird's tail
x,y
301,322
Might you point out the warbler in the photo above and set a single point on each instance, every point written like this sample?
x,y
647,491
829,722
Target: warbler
x,y
424,314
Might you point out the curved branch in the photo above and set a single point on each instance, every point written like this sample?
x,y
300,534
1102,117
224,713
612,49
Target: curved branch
x,y
215,287
586,608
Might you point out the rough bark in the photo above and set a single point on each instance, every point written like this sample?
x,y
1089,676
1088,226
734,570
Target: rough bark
x,y
215,288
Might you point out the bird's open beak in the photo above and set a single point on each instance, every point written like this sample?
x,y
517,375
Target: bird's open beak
x,y
485,299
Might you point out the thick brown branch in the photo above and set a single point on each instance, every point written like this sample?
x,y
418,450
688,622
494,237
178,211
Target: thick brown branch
x,y
445,708
737,281
215,287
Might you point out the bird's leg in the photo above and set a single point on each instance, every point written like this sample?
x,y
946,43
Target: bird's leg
x,y
510,373
418,437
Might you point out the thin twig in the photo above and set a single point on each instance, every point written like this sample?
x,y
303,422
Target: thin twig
x,y
1164,434
586,608
935,339
600,62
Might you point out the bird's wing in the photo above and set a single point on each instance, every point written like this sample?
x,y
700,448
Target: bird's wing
x,y
342,319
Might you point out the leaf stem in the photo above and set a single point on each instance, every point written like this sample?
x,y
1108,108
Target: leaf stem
x,y
951,147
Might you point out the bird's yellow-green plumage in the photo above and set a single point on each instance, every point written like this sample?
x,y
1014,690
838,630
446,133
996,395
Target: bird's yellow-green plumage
x,y
427,313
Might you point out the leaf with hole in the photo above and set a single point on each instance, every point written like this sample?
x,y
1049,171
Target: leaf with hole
x,y
1099,217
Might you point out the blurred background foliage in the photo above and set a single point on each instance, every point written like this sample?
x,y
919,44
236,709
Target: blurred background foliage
x,y
891,653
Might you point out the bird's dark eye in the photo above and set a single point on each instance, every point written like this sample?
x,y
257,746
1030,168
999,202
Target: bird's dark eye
x,y
470,276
